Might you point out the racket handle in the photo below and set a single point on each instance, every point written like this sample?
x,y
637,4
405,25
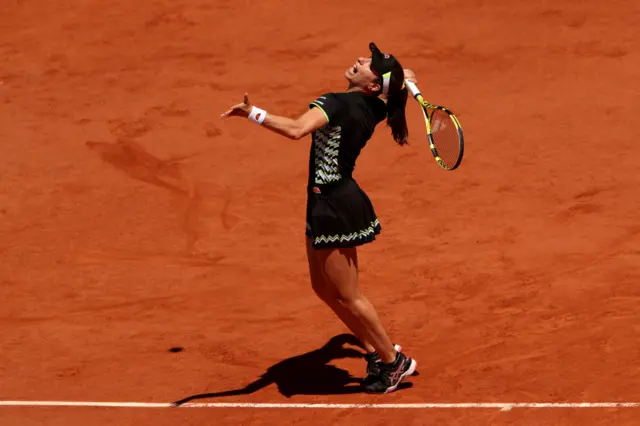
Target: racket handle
x,y
412,88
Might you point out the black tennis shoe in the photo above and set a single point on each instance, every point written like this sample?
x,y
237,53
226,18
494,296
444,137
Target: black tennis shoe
x,y
392,374
373,366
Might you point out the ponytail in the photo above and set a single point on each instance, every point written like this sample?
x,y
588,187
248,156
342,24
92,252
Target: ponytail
x,y
396,118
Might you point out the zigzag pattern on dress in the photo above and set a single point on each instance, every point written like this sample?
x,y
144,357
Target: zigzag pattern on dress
x,y
330,166
326,177
325,152
348,237
327,149
326,174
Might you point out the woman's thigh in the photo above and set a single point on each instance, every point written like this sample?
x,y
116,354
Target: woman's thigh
x,y
334,272
315,271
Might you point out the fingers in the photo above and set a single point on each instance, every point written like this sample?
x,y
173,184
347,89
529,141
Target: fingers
x,y
235,110
410,76
231,111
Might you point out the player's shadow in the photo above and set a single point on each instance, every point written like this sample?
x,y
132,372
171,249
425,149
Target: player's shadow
x,y
306,374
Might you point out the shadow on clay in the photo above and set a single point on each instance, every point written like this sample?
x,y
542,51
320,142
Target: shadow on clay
x,y
306,374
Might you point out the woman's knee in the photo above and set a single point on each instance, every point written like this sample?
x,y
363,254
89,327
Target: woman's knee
x,y
331,293
337,300
348,300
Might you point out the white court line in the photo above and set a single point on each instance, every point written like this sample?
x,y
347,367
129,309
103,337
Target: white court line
x,y
503,406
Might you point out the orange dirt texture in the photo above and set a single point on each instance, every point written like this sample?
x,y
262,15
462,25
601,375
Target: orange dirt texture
x,y
134,220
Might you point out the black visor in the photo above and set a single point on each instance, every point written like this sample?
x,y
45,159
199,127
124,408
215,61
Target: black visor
x,y
388,68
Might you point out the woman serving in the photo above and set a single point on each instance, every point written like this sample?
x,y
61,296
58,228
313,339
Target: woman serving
x,y
340,216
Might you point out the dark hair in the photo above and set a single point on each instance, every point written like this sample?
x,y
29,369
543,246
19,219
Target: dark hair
x,y
391,78
396,118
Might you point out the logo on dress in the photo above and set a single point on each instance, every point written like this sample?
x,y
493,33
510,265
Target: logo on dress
x,y
316,190
386,56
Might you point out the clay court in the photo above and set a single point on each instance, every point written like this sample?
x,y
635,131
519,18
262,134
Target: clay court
x,y
133,220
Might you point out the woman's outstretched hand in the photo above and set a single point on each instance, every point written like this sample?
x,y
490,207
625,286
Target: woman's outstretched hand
x,y
239,110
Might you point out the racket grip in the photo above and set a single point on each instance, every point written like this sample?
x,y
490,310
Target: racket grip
x,y
412,88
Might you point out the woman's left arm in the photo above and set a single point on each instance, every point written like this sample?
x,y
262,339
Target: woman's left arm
x,y
298,128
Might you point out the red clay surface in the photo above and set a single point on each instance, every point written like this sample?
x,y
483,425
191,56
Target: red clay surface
x,y
134,220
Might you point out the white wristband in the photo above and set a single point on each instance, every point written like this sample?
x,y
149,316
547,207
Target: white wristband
x,y
257,115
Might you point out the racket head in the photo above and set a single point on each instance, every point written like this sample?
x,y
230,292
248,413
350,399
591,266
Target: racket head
x,y
446,138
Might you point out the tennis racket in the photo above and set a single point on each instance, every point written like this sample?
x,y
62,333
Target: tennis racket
x,y
443,130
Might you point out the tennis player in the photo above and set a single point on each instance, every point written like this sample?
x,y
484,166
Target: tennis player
x,y
340,216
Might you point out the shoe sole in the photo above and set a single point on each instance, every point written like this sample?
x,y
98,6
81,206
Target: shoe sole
x,y
409,372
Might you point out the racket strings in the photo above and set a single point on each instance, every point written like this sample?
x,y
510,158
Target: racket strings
x,y
445,137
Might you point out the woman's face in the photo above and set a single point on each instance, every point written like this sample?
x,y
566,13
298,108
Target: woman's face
x,y
360,75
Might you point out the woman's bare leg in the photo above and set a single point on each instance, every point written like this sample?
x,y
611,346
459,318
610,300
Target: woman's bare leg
x,y
323,291
339,289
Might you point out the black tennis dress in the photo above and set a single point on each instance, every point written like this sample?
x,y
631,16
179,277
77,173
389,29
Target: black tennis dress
x,y
339,213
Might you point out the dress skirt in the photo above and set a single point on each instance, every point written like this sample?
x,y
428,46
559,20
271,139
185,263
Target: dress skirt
x,y
340,215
